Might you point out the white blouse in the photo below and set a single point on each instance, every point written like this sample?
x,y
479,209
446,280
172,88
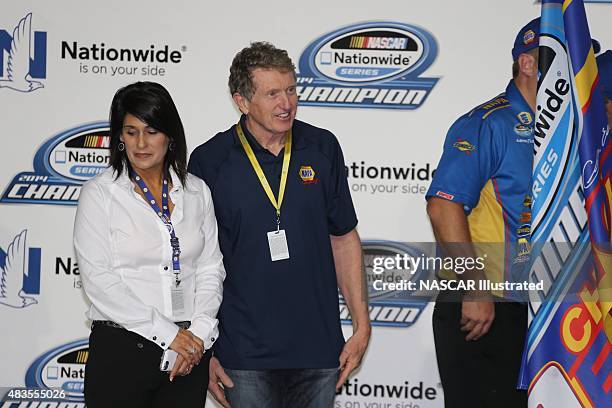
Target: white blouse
x,y
125,258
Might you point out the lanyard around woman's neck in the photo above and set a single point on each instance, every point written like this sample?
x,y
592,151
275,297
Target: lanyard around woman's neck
x,y
164,215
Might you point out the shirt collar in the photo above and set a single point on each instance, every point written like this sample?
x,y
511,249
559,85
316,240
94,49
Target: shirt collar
x,y
125,182
297,142
518,103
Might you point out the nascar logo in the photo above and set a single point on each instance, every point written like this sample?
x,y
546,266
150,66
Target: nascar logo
x,y
383,43
61,165
97,141
374,65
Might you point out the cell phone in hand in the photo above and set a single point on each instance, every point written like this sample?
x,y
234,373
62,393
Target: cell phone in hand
x,y
168,360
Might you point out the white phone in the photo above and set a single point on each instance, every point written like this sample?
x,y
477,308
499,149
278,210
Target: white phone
x,y
168,360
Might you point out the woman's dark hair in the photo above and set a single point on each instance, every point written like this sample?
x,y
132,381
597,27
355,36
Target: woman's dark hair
x,y
151,103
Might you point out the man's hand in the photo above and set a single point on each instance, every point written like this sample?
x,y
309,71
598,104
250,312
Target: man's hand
x,y
181,367
477,315
189,346
450,226
216,375
351,355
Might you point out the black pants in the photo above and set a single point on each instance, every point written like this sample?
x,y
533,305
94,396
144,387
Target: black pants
x,y
122,370
481,373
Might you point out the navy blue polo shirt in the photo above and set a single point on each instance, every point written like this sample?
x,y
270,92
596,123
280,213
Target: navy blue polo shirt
x,y
281,314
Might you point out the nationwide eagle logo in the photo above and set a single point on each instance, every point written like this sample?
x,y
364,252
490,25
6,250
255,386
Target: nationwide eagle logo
x,y
20,273
27,57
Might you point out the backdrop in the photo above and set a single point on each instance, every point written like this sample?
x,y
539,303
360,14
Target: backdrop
x,y
386,78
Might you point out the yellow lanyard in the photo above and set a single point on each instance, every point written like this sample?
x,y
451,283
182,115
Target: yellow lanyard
x,y
260,174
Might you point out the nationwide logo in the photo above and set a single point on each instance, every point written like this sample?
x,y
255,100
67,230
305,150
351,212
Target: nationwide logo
x,y
464,146
368,65
554,141
61,368
23,57
398,308
61,166
20,273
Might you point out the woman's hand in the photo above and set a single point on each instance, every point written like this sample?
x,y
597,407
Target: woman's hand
x,y
189,346
181,367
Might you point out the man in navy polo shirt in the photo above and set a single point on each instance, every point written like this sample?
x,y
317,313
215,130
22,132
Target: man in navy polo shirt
x,y
287,233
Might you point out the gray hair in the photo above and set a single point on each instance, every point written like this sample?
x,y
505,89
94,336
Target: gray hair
x,y
257,55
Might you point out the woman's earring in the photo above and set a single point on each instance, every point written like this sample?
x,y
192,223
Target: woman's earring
x,y
171,146
121,146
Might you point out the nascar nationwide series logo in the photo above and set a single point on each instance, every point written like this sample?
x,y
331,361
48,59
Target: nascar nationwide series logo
x,y
368,65
399,308
62,368
23,56
19,272
61,166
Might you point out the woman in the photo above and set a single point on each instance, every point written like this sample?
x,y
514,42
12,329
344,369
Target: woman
x,y
146,240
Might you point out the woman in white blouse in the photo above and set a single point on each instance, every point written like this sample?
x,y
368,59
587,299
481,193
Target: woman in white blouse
x,y
146,240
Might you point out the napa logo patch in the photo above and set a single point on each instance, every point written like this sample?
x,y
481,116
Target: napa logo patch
x,y
62,367
464,146
307,174
368,65
61,166
529,37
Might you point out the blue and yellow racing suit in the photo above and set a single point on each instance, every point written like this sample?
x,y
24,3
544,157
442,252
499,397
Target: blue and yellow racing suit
x,y
486,166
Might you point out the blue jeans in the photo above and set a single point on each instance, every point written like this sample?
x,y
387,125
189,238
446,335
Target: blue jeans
x,y
294,388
